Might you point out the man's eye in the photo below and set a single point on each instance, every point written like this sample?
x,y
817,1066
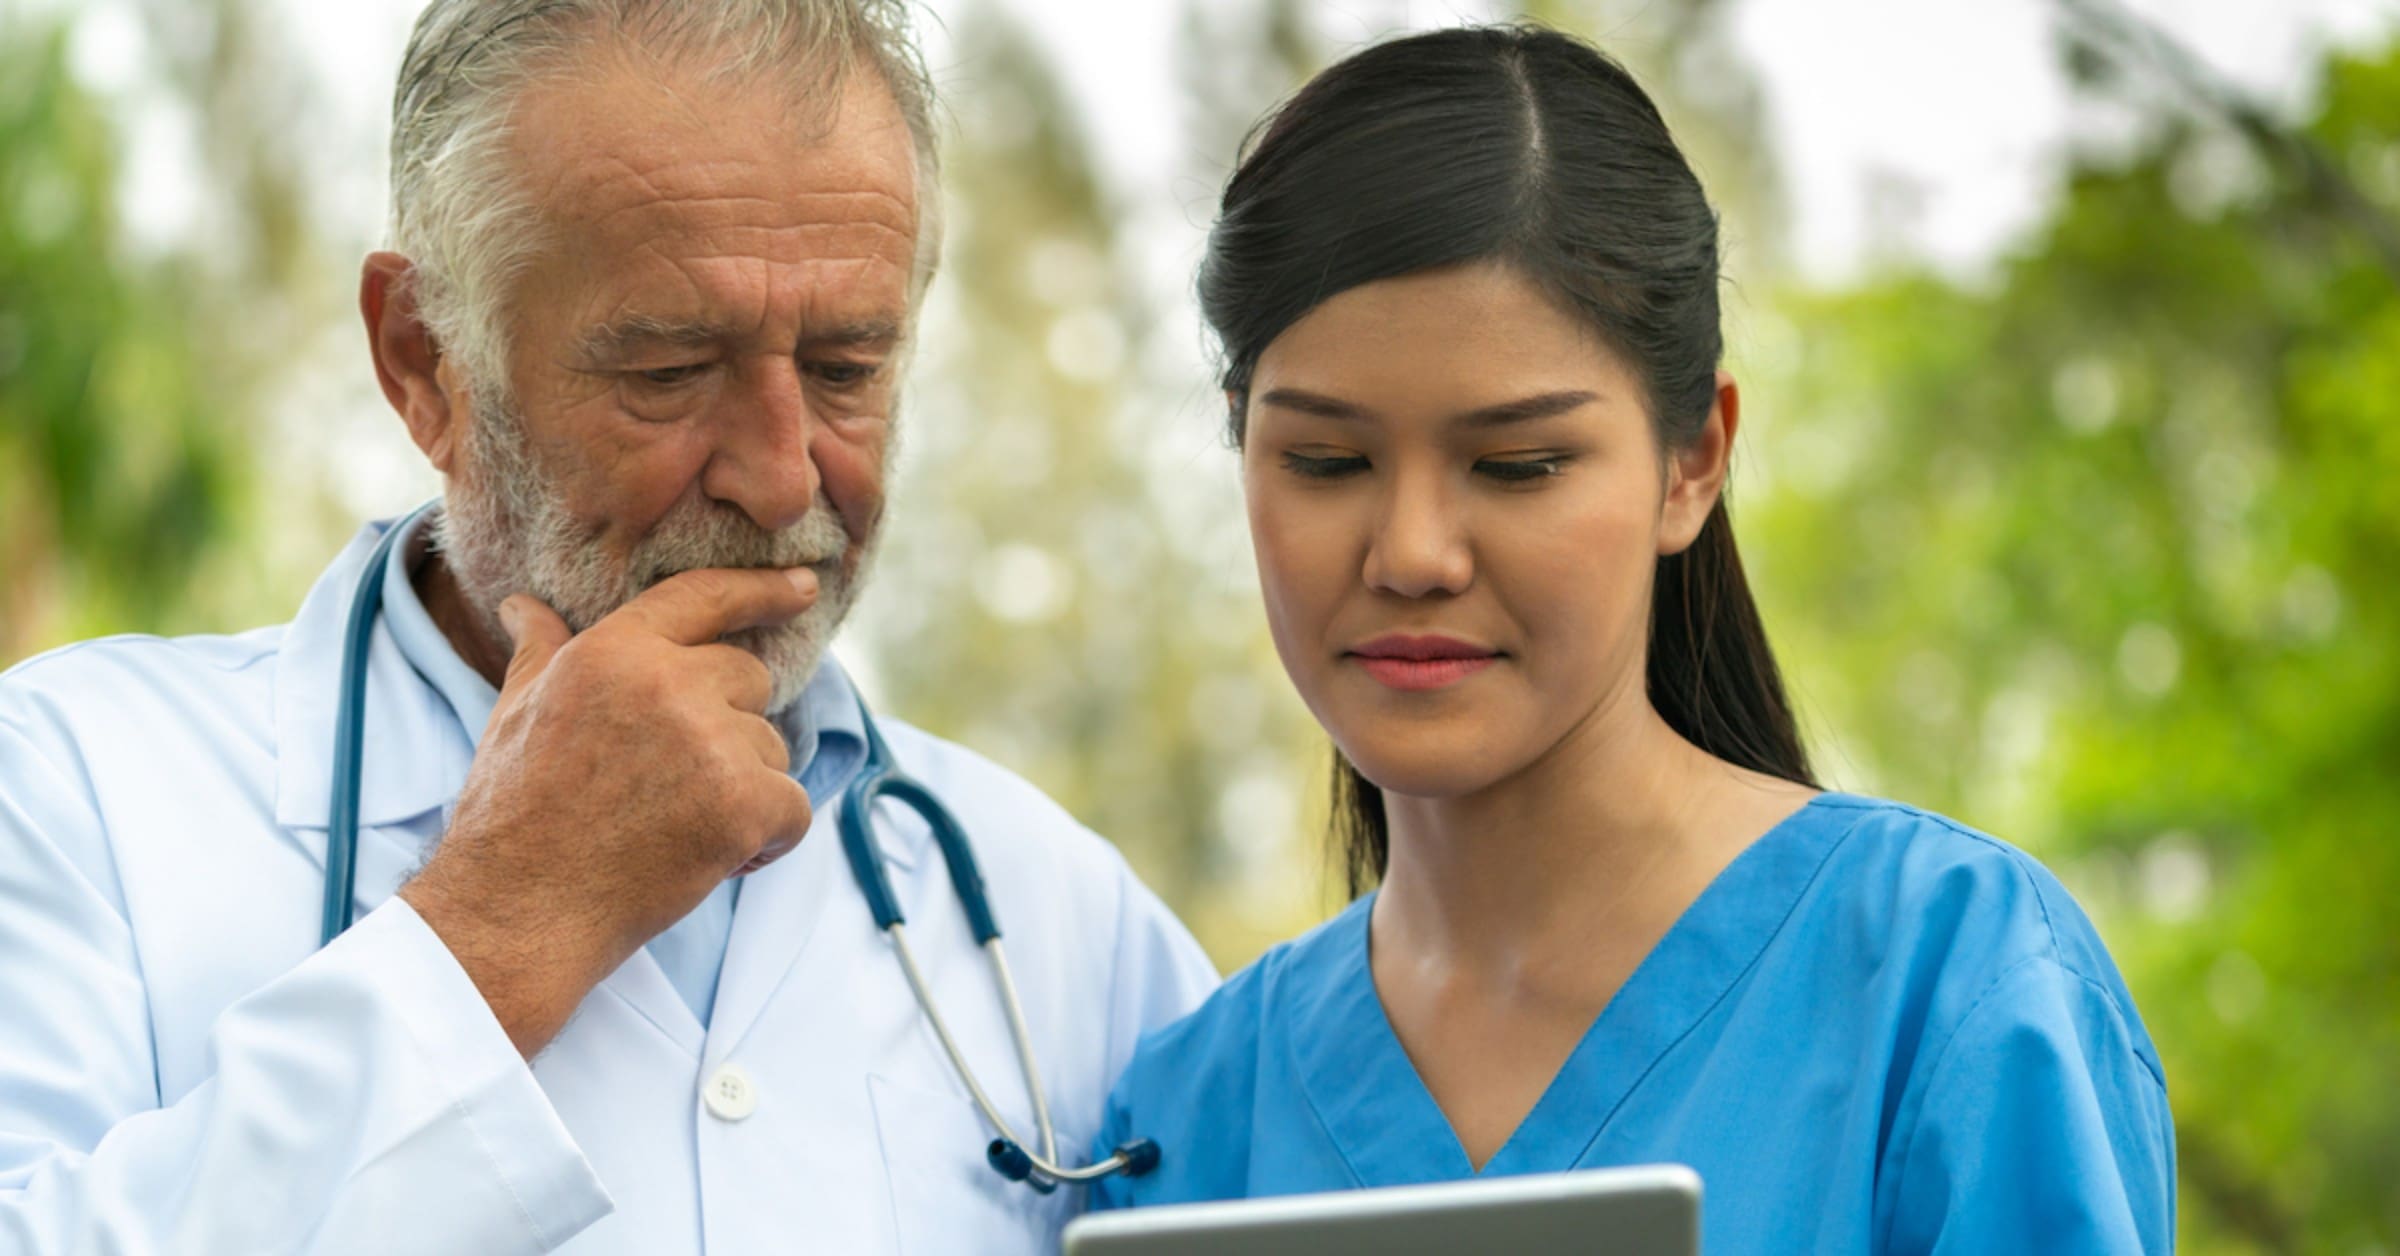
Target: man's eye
x,y
669,376
843,374
1520,470
1318,467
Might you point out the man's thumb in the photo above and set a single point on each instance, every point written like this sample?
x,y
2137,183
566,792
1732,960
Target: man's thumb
x,y
534,630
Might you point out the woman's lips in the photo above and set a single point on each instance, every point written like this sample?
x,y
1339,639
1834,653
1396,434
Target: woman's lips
x,y
1415,663
1415,675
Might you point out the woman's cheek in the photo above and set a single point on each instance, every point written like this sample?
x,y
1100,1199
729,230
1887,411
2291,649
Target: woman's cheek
x,y
1290,589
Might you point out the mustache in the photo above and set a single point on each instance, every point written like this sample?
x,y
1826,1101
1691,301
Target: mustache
x,y
722,536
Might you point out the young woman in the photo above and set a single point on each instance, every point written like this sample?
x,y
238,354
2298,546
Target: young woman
x,y
1467,292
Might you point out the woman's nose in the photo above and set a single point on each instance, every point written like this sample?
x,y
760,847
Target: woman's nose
x,y
1420,544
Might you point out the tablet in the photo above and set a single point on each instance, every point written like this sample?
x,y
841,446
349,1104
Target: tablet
x,y
1645,1210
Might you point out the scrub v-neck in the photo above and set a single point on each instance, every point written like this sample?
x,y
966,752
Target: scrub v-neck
x,y
1391,1132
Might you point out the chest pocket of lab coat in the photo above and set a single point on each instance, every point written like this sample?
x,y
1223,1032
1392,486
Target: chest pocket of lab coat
x,y
945,1196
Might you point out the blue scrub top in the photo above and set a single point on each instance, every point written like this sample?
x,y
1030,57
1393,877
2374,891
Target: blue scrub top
x,y
1876,1031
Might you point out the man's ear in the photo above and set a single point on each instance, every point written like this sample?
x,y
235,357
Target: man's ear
x,y
1696,472
407,361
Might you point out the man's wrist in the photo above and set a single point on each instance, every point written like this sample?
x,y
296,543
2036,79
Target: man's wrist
x,y
531,978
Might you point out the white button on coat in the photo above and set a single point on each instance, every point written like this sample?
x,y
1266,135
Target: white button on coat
x,y
730,1094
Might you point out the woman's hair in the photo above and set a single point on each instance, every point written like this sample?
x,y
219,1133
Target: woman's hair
x,y
1525,146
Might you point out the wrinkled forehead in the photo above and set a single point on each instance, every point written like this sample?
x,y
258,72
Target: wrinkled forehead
x,y
617,138
698,197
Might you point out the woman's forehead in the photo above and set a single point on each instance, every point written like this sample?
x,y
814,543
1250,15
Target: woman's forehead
x,y
1452,340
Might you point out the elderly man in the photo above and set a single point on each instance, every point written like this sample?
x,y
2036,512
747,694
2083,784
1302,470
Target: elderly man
x,y
612,985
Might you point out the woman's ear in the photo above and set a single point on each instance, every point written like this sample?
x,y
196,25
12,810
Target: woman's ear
x,y
407,361
1696,472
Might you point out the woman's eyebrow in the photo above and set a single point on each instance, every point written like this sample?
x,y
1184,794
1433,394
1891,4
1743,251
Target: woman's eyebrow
x,y
1526,409
1520,410
1307,402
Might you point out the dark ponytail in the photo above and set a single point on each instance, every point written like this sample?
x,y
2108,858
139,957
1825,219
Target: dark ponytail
x,y
1712,677
1526,146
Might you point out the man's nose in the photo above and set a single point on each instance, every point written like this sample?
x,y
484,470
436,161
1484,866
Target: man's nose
x,y
1420,546
763,464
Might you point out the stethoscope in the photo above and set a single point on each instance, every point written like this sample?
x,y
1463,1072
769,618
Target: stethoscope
x,y
878,779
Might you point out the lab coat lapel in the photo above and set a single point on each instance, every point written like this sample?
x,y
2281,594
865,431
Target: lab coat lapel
x,y
780,910
807,895
783,906
641,984
407,744
412,752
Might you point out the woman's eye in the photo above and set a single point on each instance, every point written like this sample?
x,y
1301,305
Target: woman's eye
x,y
1322,467
1520,470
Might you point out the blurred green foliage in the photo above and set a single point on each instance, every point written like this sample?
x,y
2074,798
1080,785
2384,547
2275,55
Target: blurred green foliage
x,y
136,370
2104,555
117,466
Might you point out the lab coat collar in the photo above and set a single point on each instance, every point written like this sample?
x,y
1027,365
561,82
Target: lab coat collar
x,y
406,771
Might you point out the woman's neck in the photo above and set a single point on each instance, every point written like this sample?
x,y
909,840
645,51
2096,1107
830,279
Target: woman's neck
x,y
1595,848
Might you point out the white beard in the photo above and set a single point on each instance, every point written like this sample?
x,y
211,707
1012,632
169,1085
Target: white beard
x,y
504,529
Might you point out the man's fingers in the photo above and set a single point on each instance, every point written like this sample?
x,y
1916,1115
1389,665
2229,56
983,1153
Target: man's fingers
x,y
767,740
738,674
697,607
535,631
789,804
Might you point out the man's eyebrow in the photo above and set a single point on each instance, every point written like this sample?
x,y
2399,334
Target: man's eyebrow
x,y
644,331
1521,410
873,331
611,340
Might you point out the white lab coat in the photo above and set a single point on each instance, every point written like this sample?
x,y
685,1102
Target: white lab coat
x,y
183,1071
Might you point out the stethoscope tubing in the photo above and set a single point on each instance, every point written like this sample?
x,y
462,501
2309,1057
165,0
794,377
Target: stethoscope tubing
x,y
349,733
878,778
1008,1153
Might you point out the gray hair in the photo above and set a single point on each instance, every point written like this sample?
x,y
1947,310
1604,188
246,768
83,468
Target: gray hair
x,y
457,212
